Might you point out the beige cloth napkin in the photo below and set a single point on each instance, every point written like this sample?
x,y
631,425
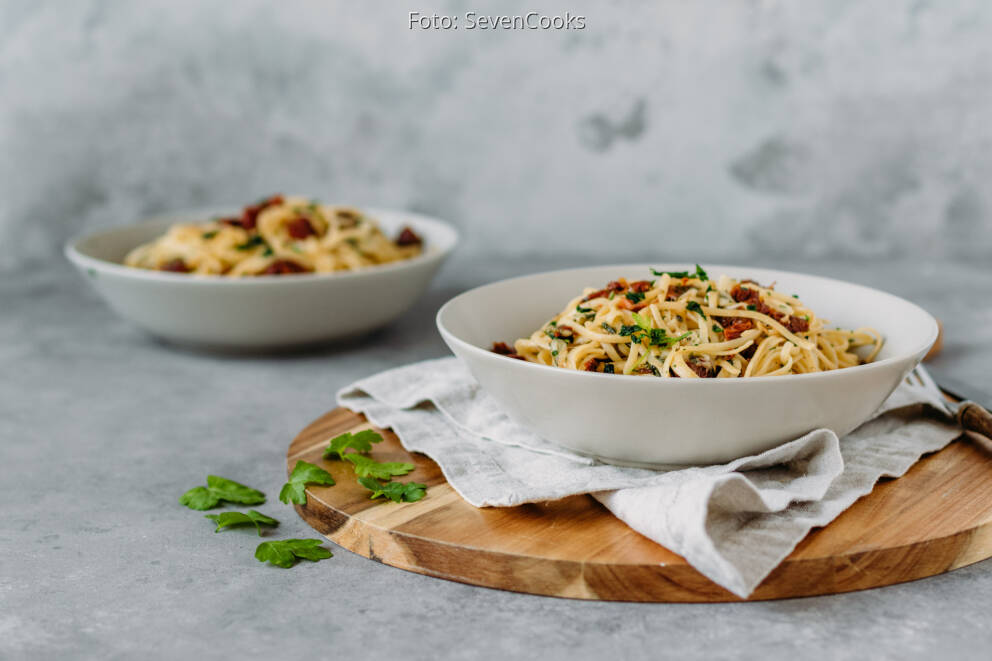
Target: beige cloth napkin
x,y
733,522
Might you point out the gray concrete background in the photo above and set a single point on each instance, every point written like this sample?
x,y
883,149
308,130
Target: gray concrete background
x,y
721,129
845,138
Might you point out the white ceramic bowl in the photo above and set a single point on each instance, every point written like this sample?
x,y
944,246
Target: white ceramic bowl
x,y
258,312
641,420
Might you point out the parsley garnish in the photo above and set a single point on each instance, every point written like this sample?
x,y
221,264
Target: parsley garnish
x,y
366,467
716,329
608,368
642,321
209,235
287,552
218,489
252,243
629,330
304,473
700,274
752,307
359,442
695,307
673,274
609,329
634,296
579,308
252,518
398,492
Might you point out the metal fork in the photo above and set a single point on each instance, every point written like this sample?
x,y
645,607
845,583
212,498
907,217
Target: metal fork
x,y
970,415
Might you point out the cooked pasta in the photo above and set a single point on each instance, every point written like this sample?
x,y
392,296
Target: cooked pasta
x,y
682,324
277,236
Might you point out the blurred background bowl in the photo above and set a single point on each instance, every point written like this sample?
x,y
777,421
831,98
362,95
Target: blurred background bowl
x,y
267,312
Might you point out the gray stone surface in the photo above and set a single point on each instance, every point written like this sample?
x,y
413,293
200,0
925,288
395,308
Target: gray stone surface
x,y
847,138
101,428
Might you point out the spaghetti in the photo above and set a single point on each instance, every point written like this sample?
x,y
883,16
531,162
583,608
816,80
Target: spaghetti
x,y
276,236
682,324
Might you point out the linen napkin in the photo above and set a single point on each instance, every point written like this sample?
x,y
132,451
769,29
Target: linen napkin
x,y
733,522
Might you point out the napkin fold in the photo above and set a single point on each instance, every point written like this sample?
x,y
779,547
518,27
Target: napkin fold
x,y
733,522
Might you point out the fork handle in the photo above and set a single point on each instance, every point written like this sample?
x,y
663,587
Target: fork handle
x,y
974,418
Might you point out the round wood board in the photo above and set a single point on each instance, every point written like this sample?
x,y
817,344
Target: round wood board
x,y
936,518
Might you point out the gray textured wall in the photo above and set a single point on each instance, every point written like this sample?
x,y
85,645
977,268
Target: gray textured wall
x,y
720,130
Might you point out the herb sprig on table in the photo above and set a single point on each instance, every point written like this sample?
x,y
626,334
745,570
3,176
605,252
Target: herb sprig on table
x,y
287,552
359,442
220,489
369,471
304,473
234,519
376,476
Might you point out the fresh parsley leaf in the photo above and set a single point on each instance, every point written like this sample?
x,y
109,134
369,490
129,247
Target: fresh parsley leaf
x,y
287,552
716,329
629,329
608,368
752,307
700,274
582,310
674,274
218,489
695,307
359,442
251,243
252,518
210,235
397,492
658,337
304,473
634,296
643,322
609,329
365,467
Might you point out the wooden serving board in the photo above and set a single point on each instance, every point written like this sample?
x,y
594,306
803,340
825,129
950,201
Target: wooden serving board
x,y
936,518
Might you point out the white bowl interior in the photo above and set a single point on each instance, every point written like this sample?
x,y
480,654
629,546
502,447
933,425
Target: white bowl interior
x,y
511,309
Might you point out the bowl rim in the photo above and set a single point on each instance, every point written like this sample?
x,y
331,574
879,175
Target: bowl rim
x,y
549,370
444,233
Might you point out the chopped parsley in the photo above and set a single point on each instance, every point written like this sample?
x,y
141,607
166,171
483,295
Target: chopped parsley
x,y
695,307
252,243
700,274
609,329
716,329
209,235
673,274
608,368
634,296
580,309
752,307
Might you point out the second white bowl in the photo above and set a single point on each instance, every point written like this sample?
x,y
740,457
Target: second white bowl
x,y
258,312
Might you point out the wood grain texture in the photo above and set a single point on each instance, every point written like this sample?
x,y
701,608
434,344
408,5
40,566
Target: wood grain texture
x,y
934,519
